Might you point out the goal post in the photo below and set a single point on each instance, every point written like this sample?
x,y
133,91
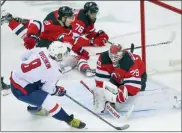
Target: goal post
x,y
143,11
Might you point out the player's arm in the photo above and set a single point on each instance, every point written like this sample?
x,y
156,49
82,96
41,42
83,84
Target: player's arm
x,y
102,74
98,38
35,28
25,56
53,87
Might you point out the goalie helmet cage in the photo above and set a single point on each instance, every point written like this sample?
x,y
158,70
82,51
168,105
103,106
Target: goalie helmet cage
x,y
143,11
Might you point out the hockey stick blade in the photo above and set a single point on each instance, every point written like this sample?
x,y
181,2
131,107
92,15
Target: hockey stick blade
x,y
117,128
123,127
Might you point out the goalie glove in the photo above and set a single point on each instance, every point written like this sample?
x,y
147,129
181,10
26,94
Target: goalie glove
x,y
122,95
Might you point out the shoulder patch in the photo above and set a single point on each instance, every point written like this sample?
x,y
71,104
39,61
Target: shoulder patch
x,y
126,62
82,17
105,58
51,16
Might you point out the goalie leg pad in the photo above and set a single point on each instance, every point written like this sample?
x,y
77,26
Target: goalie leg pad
x,y
98,100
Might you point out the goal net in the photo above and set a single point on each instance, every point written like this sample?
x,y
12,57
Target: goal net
x,y
159,35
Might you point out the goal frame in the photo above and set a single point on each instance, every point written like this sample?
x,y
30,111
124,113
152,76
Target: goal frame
x,y
142,20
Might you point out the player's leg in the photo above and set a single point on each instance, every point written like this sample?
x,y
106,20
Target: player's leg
x,y
84,67
16,24
42,99
98,100
5,88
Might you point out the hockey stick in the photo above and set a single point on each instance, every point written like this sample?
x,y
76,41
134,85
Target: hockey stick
x,y
110,109
3,2
173,35
115,127
161,43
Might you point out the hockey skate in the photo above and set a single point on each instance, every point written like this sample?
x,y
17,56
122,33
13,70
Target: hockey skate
x,y
76,123
5,88
37,111
89,72
6,17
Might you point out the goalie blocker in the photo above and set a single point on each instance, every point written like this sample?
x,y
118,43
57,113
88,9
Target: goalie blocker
x,y
119,74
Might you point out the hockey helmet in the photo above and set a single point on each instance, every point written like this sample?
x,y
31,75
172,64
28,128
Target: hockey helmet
x,y
91,6
58,50
65,11
115,53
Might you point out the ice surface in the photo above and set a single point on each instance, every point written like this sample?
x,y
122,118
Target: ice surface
x,y
124,27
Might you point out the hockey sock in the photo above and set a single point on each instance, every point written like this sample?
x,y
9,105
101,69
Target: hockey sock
x,y
62,115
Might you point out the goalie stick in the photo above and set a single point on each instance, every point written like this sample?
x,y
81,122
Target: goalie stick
x,y
173,35
124,127
109,108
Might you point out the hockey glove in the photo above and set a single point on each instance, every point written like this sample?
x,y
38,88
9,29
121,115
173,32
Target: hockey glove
x,y
30,41
60,91
100,39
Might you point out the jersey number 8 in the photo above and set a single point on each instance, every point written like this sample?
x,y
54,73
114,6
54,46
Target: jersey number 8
x,y
32,65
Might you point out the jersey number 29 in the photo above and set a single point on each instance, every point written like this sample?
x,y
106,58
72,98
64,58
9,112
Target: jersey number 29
x,y
32,65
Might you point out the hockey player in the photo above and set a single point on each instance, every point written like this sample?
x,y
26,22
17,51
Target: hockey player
x,y
54,28
28,30
58,21
35,82
83,24
119,74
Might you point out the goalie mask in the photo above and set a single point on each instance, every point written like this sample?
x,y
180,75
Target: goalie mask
x,y
115,54
58,50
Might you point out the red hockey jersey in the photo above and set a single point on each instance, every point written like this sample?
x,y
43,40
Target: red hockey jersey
x,y
130,68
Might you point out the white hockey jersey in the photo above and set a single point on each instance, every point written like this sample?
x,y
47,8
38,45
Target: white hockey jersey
x,y
37,66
